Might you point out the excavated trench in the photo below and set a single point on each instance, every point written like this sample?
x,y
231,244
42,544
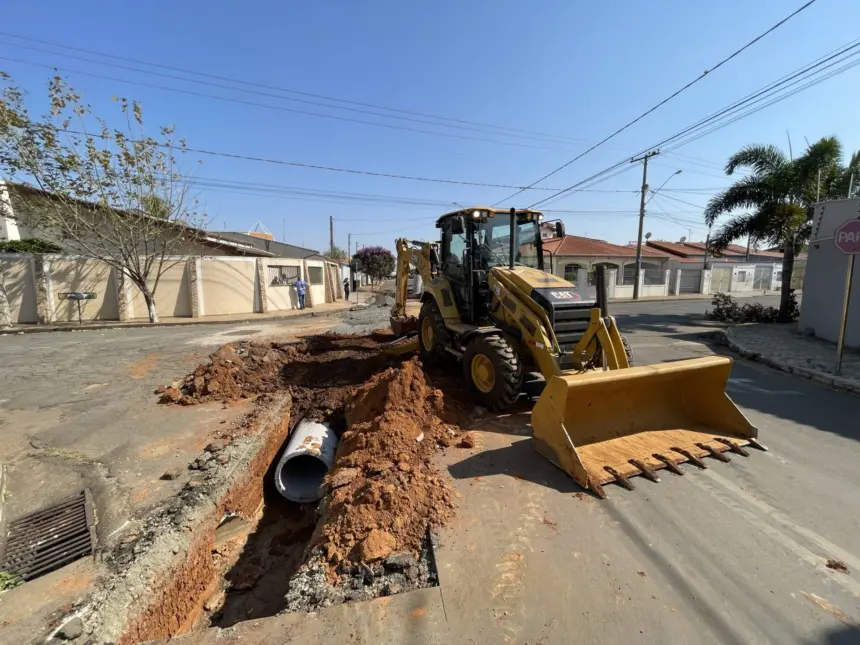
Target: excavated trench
x,y
371,533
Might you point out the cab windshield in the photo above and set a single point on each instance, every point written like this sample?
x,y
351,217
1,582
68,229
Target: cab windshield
x,y
493,242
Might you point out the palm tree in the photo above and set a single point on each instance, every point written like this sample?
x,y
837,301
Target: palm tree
x,y
779,194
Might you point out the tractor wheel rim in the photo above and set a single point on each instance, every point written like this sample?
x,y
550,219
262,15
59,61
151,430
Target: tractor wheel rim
x,y
483,373
427,334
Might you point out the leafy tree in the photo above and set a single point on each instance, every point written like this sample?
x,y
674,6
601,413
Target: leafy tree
x,y
336,253
29,245
113,195
779,194
376,262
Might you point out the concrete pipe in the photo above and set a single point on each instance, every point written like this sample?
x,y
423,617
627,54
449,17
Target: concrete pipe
x,y
305,462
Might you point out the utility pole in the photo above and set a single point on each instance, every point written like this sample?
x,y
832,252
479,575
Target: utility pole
x,y
331,235
850,186
349,246
707,244
644,159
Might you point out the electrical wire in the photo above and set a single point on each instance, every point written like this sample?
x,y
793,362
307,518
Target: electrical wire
x,y
555,138
667,99
727,112
279,108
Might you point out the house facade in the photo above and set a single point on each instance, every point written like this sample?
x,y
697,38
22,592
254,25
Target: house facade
x,y
568,256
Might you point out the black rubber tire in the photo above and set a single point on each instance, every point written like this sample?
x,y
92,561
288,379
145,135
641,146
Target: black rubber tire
x,y
507,368
627,350
598,359
441,337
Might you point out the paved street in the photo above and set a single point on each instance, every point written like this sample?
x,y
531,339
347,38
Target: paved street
x,y
733,554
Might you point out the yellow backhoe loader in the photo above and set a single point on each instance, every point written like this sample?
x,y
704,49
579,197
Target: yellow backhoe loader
x,y
490,304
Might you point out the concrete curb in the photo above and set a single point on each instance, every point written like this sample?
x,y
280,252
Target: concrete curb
x,y
167,571
825,378
44,329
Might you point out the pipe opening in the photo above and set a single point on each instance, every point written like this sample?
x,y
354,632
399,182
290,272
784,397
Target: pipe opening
x,y
300,478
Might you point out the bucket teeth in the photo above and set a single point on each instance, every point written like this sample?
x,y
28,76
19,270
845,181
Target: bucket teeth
x,y
597,489
670,465
755,443
647,473
689,455
735,448
619,478
716,454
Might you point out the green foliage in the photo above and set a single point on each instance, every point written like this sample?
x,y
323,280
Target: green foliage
x,y
376,262
336,253
778,196
9,581
29,245
727,309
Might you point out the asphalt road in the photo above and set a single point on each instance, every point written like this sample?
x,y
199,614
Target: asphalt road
x,y
733,554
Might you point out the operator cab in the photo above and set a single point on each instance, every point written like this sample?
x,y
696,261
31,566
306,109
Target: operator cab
x,y
474,240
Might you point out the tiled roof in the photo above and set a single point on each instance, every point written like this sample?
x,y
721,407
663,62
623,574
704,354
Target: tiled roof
x,y
575,245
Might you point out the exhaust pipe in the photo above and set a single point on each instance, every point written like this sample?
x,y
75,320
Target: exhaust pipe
x,y
308,457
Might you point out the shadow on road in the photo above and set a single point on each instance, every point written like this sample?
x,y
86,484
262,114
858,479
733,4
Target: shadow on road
x,y
518,460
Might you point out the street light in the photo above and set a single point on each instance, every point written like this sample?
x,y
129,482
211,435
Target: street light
x,y
654,192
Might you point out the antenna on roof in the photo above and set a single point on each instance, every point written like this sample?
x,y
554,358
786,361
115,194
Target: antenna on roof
x,y
683,239
648,236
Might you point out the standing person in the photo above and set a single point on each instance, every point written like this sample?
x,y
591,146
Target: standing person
x,y
346,288
301,289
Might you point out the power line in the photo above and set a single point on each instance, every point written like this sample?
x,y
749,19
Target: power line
x,y
297,164
726,113
668,98
278,96
274,107
556,137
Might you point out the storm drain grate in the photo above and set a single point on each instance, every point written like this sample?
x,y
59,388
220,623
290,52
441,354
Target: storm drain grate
x,y
46,540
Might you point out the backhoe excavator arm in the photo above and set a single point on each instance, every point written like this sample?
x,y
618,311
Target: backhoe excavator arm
x,y
422,256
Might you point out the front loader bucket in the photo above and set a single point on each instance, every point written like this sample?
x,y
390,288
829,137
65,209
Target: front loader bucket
x,y
608,426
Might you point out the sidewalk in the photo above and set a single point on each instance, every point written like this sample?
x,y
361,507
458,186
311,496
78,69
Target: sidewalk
x,y
325,309
781,346
699,296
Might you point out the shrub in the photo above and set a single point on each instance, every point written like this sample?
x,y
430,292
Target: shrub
x,y
726,309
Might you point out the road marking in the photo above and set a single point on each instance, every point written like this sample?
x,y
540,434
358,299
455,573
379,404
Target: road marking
x,y
748,385
818,561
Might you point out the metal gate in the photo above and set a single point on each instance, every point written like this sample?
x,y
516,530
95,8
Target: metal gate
x,y
691,281
721,279
762,278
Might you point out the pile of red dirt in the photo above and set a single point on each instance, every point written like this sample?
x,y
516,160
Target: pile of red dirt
x,y
383,491
235,371
321,373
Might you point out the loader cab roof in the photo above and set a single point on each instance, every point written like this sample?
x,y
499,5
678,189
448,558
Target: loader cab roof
x,y
487,211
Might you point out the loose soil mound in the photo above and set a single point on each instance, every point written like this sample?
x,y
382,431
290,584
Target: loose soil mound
x,y
235,371
384,490
321,373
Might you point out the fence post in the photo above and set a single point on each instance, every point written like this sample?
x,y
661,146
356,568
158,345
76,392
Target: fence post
x,y
666,276
706,281
44,297
611,282
260,283
676,287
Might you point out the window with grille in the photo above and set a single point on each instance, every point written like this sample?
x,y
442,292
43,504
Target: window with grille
x,y
283,275
315,275
742,276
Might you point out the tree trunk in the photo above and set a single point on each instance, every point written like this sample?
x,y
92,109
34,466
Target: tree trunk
x,y
5,310
785,287
149,297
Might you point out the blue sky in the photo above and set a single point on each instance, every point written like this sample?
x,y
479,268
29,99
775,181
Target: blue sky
x,y
577,70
